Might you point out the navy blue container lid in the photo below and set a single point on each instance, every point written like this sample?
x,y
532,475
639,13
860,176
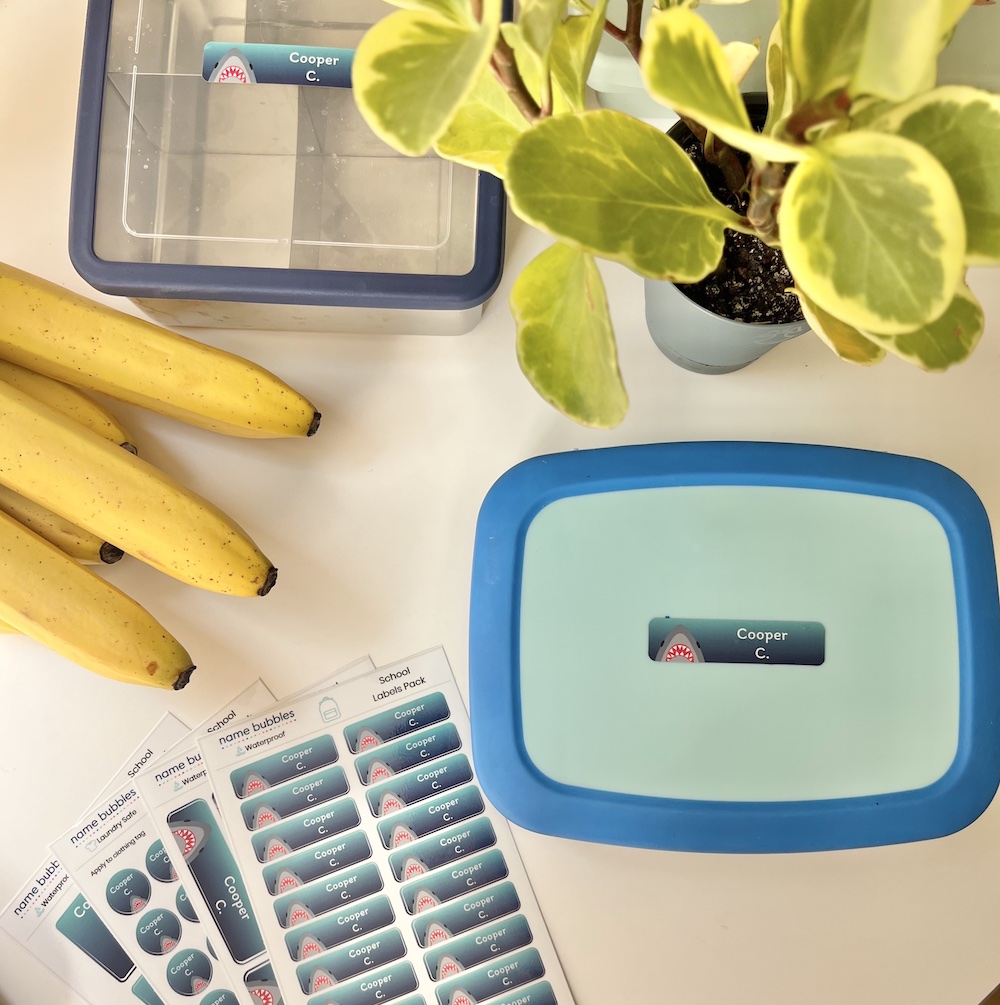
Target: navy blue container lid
x,y
551,528
375,290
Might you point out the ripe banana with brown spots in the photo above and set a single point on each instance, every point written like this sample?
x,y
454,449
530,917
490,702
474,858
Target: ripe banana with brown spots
x,y
71,401
55,600
65,535
124,500
54,331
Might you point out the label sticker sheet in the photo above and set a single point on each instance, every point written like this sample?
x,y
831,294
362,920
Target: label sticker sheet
x,y
55,922
123,869
377,869
178,796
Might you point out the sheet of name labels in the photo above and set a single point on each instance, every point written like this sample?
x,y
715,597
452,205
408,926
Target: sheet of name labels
x,y
125,872
53,919
377,870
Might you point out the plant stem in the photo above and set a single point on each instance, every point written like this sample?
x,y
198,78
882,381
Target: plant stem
x,y
504,66
766,187
631,35
720,154
836,106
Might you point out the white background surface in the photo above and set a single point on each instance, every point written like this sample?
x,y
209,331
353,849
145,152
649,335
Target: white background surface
x,y
371,524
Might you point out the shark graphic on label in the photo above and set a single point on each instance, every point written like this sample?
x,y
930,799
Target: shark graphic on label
x,y
681,646
190,838
233,68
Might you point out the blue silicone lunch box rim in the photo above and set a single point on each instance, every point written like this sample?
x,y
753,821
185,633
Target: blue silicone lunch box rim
x,y
313,287
532,800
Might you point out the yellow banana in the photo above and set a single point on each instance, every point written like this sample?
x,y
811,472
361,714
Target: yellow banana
x,y
65,535
75,404
123,499
56,332
48,596
71,401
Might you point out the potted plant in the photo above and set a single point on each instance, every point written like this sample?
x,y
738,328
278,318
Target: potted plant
x,y
877,187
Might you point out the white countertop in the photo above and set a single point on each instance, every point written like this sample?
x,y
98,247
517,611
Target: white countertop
x,y
371,524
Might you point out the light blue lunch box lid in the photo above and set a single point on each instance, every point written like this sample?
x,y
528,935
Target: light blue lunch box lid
x,y
735,647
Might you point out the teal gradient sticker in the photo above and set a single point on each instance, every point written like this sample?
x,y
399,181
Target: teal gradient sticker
x,y
257,777
189,972
159,865
398,721
128,891
213,867
145,993
265,63
727,640
158,932
80,924
382,985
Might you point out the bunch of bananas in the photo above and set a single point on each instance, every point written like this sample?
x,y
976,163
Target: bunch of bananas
x,y
75,495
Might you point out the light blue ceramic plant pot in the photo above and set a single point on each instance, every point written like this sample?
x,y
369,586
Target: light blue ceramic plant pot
x,y
696,339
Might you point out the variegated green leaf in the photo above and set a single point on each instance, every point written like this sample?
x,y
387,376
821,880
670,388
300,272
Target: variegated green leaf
x,y
823,41
484,128
942,343
872,231
414,68
899,53
865,112
684,66
610,184
537,23
557,75
960,126
565,342
538,20
740,56
573,51
847,342
780,87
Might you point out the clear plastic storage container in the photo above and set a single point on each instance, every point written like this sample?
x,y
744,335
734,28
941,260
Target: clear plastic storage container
x,y
266,204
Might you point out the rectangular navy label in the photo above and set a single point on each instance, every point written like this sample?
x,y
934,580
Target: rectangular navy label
x,y
300,832
537,994
392,758
429,817
470,912
254,778
290,799
302,905
427,781
206,850
270,63
469,950
322,972
377,729
423,857
373,989
292,871
339,927
80,924
499,976
718,640
447,884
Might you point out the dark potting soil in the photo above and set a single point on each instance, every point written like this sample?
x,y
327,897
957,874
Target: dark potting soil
x,y
751,280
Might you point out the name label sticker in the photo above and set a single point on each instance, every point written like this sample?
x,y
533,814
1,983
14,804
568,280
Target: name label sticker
x,y
718,640
265,63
